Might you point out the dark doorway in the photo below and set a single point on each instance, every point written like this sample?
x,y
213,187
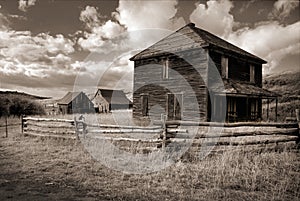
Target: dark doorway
x,y
174,104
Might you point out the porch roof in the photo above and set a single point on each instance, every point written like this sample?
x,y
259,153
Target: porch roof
x,y
238,88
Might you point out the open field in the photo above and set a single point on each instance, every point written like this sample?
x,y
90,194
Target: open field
x,y
49,169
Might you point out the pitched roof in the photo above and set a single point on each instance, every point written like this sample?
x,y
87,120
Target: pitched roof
x,y
241,88
68,98
190,37
113,96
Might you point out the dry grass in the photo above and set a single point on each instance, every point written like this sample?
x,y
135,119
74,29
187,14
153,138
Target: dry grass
x,y
48,169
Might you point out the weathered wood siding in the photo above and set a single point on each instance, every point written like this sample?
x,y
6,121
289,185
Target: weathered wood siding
x,y
82,104
238,69
184,78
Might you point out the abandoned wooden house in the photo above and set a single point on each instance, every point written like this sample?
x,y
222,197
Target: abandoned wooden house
x,y
199,58
106,100
75,102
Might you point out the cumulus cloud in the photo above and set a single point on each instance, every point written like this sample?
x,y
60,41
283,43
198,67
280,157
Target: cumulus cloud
x,y
269,40
130,16
266,40
100,37
25,4
134,26
136,15
35,60
90,16
282,9
214,17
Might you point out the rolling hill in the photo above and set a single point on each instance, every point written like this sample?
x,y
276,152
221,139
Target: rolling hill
x,y
287,85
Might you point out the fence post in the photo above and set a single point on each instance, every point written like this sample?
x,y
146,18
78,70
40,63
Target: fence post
x,y
76,129
164,134
22,124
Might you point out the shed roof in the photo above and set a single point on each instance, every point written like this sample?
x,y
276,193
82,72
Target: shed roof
x,y
68,98
190,37
241,88
113,96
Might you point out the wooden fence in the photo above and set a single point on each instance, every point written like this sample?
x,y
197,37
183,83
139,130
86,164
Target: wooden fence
x,y
45,127
166,133
9,123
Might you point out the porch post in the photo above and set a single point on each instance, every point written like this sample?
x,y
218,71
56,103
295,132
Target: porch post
x,y
247,109
268,101
276,109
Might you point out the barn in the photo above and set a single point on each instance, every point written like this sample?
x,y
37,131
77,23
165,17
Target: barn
x,y
75,102
106,99
192,73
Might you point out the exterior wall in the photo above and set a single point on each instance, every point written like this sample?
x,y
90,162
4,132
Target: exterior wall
x,y
238,67
100,103
80,104
183,79
63,109
239,70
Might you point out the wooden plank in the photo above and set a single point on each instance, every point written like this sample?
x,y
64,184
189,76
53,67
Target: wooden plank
x,y
49,126
197,142
47,131
116,131
123,126
125,139
236,124
288,132
48,120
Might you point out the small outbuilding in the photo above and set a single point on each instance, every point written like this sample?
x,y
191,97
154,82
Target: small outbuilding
x,y
106,100
75,102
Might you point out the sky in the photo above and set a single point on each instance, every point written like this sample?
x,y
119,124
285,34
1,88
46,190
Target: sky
x,y
49,47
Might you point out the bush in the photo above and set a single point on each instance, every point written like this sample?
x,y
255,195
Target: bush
x,y
17,106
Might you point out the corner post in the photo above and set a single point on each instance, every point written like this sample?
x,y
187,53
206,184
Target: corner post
x,y
164,134
268,102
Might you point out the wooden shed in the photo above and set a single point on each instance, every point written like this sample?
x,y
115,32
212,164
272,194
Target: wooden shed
x,y
75,102
106,99
215,70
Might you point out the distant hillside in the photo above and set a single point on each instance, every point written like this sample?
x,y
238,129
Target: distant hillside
x,y
16,104
21,95
287,85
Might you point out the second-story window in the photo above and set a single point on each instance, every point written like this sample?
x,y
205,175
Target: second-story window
x,y
252,74
165,72
224,66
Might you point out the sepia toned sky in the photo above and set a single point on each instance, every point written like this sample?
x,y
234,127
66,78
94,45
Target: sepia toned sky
x,y
48,45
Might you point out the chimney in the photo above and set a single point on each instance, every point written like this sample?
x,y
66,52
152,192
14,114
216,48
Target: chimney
x,y
192,25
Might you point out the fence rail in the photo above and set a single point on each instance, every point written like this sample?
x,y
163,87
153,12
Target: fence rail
x,y
168,133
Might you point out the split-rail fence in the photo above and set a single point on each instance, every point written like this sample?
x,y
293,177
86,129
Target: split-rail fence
x,y
166,133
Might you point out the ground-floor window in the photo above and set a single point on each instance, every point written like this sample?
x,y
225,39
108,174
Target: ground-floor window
x,y
144,104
